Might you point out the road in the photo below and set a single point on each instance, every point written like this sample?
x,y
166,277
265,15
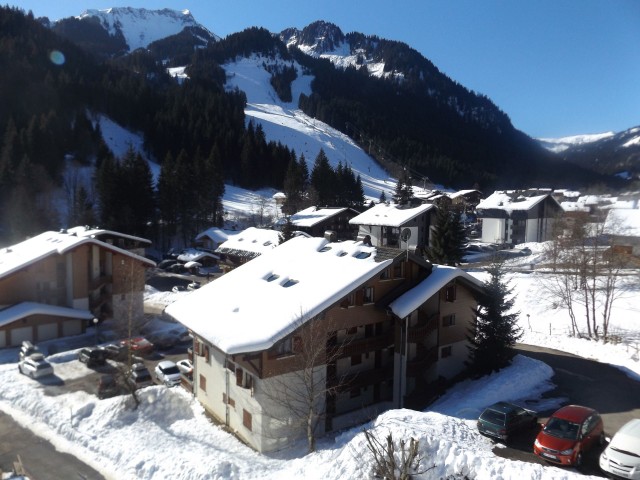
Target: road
x,y
584,382
40,459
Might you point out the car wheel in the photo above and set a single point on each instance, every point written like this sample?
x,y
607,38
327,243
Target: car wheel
x,y
601,439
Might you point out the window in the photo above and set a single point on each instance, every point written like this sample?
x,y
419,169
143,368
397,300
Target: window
x,y
450,293
356,360
449,320
397,270
239,377
284,347
386,274
229,400
368,295
289,283
246,419
203,383
446,351
272,277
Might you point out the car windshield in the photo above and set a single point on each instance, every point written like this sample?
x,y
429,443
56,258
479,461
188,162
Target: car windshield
x,y
41,365
562,428
491,416
171,370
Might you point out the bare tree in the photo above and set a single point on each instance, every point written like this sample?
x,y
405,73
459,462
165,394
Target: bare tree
x,y
393,461
311,379
587,271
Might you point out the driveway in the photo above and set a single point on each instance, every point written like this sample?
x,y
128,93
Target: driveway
x,y
584,382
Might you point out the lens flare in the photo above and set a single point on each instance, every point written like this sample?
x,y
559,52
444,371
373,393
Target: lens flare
x,y
56,57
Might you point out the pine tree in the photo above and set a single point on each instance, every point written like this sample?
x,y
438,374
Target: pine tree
x,y
323,180
496,330
404,190
448,237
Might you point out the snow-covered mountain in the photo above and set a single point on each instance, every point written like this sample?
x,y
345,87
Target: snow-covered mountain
x,y
609,153
130,28
558,145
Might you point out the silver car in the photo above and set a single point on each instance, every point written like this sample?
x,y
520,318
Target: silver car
x,y
167,372
35,366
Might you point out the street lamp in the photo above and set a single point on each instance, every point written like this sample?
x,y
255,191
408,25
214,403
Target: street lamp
x,y
95,324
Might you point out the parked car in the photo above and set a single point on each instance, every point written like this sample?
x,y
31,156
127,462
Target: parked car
x,y
115,352
179,288
27,348
35,366
167,372
93,356
140,376
108,386
194,286
138,345
621,458
502,420
163,340
569,433
185,366
166,263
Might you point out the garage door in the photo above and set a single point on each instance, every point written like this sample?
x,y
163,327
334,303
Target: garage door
x,y
18,335
48,331
71,327
3,339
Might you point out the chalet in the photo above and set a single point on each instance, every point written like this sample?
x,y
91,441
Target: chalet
x,y
54,284
622,226
392,225
371,328
137,245
212,238
316,221
246,245
513,217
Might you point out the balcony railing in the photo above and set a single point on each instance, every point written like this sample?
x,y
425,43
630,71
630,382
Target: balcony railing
x,y
362,379
99,282
422,362
364,345
423,329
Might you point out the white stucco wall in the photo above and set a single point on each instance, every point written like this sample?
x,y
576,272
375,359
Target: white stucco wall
x,y
493,230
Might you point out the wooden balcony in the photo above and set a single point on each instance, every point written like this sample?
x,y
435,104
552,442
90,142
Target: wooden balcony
x,y
423,329
422,362
99,282
362,379
364,345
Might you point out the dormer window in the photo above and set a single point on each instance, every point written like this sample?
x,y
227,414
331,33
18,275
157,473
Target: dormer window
x,y
267,243
325,249
289,283
362,255
272,277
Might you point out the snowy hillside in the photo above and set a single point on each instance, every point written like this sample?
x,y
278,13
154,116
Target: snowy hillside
x,y
558,145
140,26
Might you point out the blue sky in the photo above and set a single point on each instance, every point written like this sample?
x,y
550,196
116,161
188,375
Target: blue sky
x,y
556,67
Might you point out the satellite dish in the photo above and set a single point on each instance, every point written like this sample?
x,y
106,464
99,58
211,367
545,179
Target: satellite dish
x,y
405,235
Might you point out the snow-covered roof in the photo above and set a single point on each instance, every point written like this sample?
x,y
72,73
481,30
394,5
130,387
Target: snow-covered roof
x,y
216,234
311,216
25,253
623,222
440,276
193,255
501,200
253,240
461,193
389,215
262,301
95,232
25,309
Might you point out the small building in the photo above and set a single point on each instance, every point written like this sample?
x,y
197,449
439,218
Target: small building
x,y
373,327
132,243
54,284
246,245
212,238
392,225
316,221
622,226
515,217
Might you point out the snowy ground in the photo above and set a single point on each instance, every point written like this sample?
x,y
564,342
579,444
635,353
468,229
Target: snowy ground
x,y
125,444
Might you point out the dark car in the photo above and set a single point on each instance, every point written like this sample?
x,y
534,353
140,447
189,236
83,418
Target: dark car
x,y
108,386
139,376
502,420
93,356
569,433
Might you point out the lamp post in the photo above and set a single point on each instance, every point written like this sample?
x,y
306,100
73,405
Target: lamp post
x,y
95,325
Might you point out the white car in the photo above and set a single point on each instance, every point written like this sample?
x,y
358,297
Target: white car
x,y
167,372
622,456
35,366
185,366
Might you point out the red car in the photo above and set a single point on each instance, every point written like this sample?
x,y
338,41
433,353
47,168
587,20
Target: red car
x,y
138,345
569,432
